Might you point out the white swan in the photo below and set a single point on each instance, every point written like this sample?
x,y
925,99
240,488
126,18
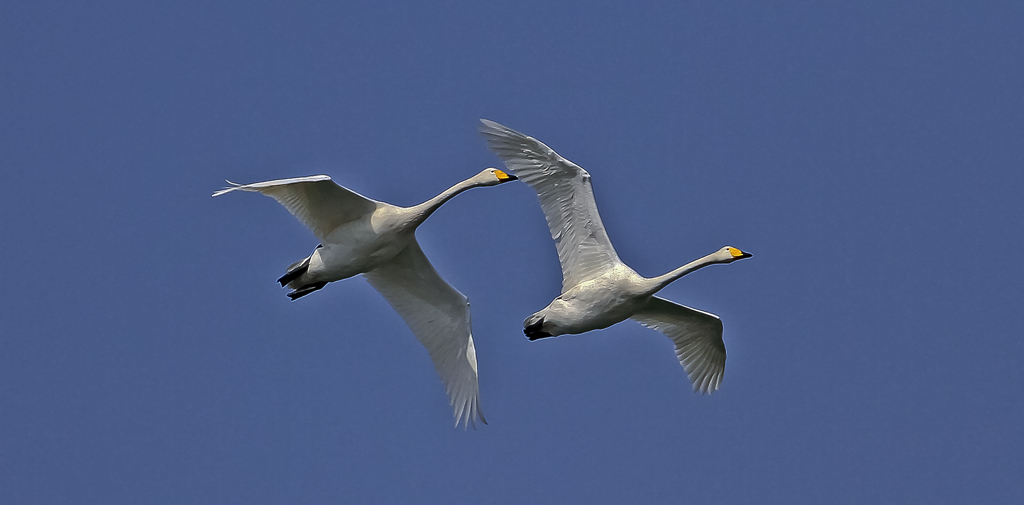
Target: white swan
x,y
363,236
598,289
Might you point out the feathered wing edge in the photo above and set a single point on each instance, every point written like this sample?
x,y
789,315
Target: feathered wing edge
x,y
567,198
439,317
697,336
257,186
316,201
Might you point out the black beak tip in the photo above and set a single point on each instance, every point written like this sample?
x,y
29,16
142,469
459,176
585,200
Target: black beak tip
x,y
745,255
511,177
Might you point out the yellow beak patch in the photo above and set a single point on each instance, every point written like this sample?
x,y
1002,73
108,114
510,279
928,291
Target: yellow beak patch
x,y
736,253
502,176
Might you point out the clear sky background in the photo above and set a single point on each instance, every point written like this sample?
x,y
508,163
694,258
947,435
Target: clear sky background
x,y
869,155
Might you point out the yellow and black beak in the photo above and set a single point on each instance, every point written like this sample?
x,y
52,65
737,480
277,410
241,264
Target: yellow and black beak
x,y
505,177
738,254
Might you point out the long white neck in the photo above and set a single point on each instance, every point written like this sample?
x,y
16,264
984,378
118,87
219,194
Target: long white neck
x,y
422,211
659,282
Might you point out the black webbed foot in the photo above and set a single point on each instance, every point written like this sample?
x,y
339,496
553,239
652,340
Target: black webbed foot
x,y
305,290
533,331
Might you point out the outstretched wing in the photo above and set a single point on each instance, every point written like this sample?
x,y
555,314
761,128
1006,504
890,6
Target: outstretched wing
x,y
566,197
439,317
698,339
316,201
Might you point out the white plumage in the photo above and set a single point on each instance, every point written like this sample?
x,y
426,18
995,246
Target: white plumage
x,y
363,236
598,289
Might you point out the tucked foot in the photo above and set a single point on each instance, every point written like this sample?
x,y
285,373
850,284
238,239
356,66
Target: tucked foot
x,y
305,290
297,269
295,272
533,331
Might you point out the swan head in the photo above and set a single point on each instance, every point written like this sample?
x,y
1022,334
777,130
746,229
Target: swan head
x,y
493,177
728,254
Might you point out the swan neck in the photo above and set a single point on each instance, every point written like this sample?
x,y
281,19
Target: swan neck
x,y
422,211
659,282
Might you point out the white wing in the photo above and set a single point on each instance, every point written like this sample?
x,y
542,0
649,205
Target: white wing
x,y
439,317
566,198
698,339
316,201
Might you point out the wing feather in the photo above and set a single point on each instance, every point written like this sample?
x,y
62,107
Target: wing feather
x,y
317,202
697,336
566,197
439,317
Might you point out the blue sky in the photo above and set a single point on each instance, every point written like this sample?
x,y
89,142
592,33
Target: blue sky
x,y
868,155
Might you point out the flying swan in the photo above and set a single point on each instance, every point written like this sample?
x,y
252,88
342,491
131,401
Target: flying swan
x,y
363,236
598,289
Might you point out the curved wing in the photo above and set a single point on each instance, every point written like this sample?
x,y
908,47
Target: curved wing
x,y
439,317
698,339
316,201
566,198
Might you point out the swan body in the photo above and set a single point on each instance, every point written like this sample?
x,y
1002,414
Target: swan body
x,y
376,239
598,289
593,304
